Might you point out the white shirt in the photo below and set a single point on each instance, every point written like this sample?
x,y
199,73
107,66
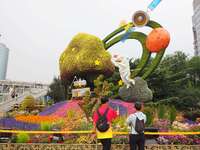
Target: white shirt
x,y
132,119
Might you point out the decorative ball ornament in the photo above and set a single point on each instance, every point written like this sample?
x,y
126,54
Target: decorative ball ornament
x,y
157,40
140,18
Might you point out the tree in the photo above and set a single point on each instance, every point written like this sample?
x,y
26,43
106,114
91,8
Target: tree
x,y
29,103
175,62
87,105
170,76
57,90
194,70
102,87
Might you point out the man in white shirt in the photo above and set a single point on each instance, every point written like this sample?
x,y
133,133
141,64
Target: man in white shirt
x,y
135,138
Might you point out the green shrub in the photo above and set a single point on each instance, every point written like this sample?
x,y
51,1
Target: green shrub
x,y
28,103
149,111
102,87
149,118
45,126
119,124
85,126
22,138
192,115
161,111
172,114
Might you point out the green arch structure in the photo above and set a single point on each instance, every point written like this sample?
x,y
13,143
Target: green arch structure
x,y
116,37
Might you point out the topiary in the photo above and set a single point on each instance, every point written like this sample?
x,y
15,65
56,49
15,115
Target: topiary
x,y
22,138
46,126
28,104
85,55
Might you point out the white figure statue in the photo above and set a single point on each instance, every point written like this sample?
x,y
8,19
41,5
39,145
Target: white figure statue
x,y
124,69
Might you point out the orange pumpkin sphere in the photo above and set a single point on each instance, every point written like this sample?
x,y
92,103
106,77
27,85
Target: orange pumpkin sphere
x,y
157,40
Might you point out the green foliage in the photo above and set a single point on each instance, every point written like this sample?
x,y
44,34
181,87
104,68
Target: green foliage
x,y
57,90
119,124
189,99
175,62
194,70
161,112
170,76
46,126
22,138
102,87
167,101
172,113
114,83
150,118
192,115
58,124
84,126
28,104
50,102
14,139
149,111
88,105
176,82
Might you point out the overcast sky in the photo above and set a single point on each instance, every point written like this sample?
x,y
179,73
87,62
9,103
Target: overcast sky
x,y
37,31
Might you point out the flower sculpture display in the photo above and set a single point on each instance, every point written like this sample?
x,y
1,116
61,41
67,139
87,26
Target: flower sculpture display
x,y
85,57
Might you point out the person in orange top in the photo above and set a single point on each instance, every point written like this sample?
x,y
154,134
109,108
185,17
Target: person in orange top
x,y
110,114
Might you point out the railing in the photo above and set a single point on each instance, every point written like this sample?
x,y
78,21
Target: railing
x,y
93,146
91,132
8,101
11,146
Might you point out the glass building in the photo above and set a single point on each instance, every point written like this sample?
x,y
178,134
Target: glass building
x,y
196,26
3,61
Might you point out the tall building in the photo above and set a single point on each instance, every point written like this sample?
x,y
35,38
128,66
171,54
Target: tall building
x,y
3,61
196,26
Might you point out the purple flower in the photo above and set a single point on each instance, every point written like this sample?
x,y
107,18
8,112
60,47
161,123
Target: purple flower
x,y
52,109
178,139
13,124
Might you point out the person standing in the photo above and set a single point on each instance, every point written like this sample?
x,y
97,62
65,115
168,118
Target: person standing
x,y
102,119
137,121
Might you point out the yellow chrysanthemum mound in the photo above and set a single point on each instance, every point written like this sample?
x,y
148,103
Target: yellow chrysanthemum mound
x,y
85,57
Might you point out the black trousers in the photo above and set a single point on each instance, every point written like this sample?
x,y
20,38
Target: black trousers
x,y
106,144
136,140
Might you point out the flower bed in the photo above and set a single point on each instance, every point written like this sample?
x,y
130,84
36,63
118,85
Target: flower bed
x,y
52,109
14,124
37,119
179,139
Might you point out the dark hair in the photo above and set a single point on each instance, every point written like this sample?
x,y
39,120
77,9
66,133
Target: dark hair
x,y
138,105
104,99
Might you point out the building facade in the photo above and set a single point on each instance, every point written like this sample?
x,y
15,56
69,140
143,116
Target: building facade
x,y
196,26
4,51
